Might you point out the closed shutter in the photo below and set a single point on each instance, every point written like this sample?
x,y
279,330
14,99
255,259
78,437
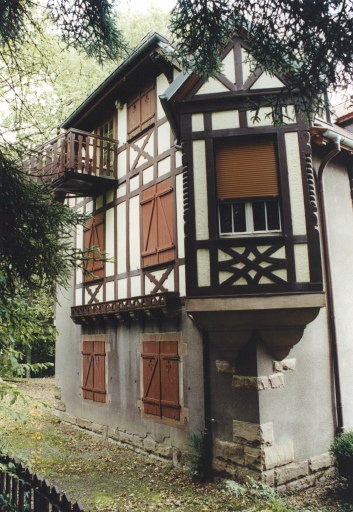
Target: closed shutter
x,y
161,379
247,169
93,381
157,224
94,237
147,106
133,115
141,110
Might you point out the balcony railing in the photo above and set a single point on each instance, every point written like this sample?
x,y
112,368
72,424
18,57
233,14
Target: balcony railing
x,y
73,157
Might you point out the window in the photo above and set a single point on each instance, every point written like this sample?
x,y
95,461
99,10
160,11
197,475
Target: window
x,y
93,376
94,237
161,379
141,110
107,130
157,224
247,187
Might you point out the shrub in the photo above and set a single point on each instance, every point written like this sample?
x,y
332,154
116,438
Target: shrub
x,y
342,449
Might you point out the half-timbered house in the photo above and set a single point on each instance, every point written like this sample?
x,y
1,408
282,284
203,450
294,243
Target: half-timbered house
x,y
212,317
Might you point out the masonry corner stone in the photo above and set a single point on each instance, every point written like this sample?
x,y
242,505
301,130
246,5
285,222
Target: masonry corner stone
x,y
276,380
149,445
83,423
241,381
262,383
253,457
268,477
225,367
244,431
303,483
284,366
266,433
60,406
278,455
320,462
291,472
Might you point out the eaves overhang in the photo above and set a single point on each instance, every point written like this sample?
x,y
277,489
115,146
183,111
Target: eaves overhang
x,y
153,41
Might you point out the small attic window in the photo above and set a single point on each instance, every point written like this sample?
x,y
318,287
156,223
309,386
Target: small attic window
x,y
141,110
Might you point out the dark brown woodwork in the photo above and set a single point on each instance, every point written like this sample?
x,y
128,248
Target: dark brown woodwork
x,y
93,360
141,110
94,237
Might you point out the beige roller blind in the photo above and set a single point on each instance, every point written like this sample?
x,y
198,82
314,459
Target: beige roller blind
x,y
247,169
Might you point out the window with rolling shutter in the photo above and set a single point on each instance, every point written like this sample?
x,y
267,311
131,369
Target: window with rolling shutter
x,y
161,379
93,378
94,237
157,224
141,110
247,187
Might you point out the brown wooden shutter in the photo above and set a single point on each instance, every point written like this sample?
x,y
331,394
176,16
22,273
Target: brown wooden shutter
x,y
157,224
151,378
161,379
148,106
99,392
87,380
133,115
169,361
94,237
247,169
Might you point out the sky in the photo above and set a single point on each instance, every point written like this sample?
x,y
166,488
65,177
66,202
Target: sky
x,y
141,5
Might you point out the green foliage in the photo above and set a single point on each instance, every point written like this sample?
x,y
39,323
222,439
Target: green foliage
x,y
306,42
342,449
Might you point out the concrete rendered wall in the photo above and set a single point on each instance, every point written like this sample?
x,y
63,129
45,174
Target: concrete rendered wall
x,y
120,418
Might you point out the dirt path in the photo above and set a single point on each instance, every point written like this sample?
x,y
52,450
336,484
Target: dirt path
x,y
107,477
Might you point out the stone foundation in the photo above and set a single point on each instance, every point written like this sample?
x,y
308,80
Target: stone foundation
x,y
253,453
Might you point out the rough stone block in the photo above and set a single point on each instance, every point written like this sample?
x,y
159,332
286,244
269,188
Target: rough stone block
x,y
165,451
320,462
58,393
97,428
229,451
301,484
225,367
60,406
149,445
262,383
246,382
244,431
292,471
268,478
253,457
113,434
284,366
276,380
83,423
219,465
131,439
266,433
68,418
278,455
243,473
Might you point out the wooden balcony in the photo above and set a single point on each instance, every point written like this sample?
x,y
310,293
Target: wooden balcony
x,y
76,162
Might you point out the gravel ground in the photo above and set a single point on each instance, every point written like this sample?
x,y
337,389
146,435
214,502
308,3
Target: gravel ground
x,y
107,477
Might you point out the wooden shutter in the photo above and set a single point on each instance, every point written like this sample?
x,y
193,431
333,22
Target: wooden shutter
x,y
133,115
161,379
247,169
157,224
99,392
148,106
87,381
151,378
94,237
169,361
93,381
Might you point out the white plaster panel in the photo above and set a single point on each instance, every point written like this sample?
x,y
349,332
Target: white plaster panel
x,y
121,229
197,123
247,64
147,175
212,86
162,85
135,286
266,81
264,117
163,138
149,286
200,187
223,276
228,66
121,191
79,244
168,283
149,148
89,207
289,115
301,263
134,232
133,155
223,256
225,119
203,267
99,202
109,197
281,273
176,72
109,241
110,291
295,183
178,158
78,297
182,281
164,166
134,183
122,164
99,295
122,288
180,215
122,125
